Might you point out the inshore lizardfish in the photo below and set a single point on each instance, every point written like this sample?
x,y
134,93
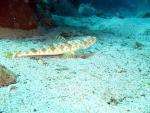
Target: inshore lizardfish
x,y
57,49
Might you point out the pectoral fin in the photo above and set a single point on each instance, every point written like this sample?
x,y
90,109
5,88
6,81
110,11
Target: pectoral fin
x,y
69,55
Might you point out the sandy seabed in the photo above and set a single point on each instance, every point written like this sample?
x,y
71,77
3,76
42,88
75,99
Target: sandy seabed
x,y
116,79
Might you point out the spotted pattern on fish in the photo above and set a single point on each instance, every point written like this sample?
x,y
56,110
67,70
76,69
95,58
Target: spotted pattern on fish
x,y
60,48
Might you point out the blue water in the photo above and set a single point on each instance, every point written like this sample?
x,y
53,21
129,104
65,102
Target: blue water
x,y
109,7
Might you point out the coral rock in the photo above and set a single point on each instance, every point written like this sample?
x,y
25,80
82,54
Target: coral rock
x,y
17,14
6,76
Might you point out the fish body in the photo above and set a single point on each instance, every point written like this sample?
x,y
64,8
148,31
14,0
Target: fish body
x,y
59,49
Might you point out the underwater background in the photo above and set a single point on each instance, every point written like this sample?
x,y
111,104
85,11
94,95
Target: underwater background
x,y
75,56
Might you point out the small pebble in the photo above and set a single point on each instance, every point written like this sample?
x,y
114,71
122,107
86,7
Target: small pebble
x,y
120,71
42,62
